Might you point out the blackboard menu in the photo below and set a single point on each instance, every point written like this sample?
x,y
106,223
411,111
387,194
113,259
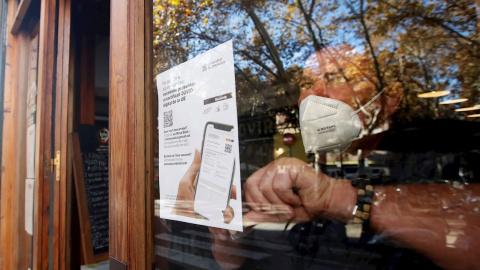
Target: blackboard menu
x,y
94,148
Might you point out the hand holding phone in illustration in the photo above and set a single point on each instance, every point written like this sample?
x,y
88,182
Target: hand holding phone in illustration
x,y
215,177
184,203
186,189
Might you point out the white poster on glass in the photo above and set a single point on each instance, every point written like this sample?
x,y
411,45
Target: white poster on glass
x,y
198,141
31,151
29,193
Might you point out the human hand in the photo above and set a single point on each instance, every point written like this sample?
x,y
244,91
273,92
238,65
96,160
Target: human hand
x,y
186,189
228,215
289,189
221,239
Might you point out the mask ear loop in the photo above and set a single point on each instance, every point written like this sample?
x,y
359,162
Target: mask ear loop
x,y
368,103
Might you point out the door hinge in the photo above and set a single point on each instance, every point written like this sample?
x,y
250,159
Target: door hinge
x,y
56,163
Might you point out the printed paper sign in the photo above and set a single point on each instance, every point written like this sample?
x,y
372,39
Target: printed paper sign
x,y
31,151
29,191
198,140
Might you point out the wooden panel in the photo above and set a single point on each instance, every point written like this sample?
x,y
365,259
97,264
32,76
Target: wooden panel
x,y
127,125
151,127
15,242
21,69
86,237
28,57
70,228
63,188
8,148
44,132
119,159
137,214
18,157
20,15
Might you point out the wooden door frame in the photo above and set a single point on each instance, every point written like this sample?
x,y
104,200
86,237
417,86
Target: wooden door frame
x,y
63,126
130,120
11,164
8,222
43,174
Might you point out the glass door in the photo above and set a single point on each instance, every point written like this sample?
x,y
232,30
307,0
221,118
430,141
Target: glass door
x,y
403,73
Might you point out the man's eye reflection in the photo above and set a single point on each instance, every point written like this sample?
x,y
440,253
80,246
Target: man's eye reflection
x,y
306,85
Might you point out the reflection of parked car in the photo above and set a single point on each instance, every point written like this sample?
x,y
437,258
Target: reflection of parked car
x,y
350,172
378,174
347,173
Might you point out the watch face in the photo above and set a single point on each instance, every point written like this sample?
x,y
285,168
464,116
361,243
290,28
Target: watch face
x,y
103,135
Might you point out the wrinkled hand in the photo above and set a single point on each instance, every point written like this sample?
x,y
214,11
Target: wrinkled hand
x,y
289,189
186,189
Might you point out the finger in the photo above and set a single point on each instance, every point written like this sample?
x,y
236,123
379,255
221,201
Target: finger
x,y
192,171
253,218
253,195
233,192
283,184
277,178
228,215
278,214
284,190
283,212
301,215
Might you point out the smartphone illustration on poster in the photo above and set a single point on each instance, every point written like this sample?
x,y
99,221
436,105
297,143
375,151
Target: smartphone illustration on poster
x,y
215,177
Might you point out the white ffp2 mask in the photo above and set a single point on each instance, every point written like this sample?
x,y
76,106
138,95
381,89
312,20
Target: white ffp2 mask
x,y
327,125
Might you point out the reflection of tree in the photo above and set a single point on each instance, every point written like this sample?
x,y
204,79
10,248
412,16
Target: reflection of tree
x,y
424,45
440,42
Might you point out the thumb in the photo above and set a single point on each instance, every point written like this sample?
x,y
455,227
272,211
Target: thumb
x,y
252,218
194,167
228,215
233,192
278,214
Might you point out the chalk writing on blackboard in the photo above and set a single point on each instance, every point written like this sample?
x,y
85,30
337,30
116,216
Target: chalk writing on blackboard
x,y
94,148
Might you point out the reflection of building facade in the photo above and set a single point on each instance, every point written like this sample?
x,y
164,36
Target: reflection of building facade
x,y
256,142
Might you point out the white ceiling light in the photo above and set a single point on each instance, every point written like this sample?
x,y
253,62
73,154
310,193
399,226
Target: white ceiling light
x,y
476,107
433,94
453,101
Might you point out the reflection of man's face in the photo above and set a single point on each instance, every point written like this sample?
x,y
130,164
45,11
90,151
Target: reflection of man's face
x,y
355,95
328,74
346,76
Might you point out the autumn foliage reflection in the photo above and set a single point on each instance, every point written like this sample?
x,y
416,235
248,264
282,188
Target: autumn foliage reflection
x,y
423,45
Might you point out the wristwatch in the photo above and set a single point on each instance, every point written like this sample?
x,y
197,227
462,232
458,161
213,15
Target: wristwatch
x,y
361,212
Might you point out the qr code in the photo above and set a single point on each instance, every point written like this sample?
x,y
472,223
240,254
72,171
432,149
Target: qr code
x,y
228,148
167,119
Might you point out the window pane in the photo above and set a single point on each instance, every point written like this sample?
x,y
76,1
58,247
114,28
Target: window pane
x,y
329,93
